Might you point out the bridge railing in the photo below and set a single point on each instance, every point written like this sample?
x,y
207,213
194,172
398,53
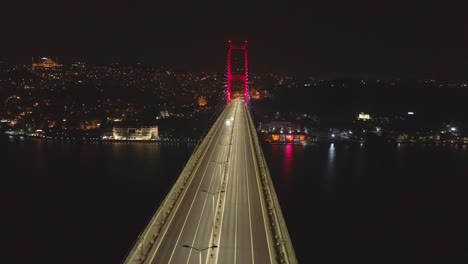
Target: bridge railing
x,y
283,241
148,237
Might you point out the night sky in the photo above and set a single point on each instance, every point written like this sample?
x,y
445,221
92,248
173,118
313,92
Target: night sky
x,y
326,39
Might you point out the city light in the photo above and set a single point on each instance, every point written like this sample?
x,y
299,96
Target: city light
x,y
363,116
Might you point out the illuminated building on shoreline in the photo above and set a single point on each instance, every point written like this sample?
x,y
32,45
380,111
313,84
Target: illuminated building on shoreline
x,y
287,138
135,133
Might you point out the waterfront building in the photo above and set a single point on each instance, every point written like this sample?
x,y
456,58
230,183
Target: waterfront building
x,y
135,133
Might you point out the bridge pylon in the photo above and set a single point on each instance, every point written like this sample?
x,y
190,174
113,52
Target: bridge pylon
x,y
243,78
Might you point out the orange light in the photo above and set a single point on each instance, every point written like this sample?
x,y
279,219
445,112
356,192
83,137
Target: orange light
x,y
289,137
202,101
275,137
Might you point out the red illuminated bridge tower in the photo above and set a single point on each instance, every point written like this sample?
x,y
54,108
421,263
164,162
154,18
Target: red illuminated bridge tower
x,y
243,78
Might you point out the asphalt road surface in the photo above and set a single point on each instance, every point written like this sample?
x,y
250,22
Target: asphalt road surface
x,y
222,215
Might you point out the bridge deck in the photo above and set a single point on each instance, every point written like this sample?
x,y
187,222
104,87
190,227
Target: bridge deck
x,y
245,235
222,204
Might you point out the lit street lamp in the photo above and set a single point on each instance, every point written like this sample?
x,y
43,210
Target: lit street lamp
x,y
199,249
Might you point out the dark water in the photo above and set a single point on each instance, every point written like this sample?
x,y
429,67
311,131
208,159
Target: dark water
x,y
86,203
80,203
374,204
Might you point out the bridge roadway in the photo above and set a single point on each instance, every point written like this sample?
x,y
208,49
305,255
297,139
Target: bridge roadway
x,y
221,205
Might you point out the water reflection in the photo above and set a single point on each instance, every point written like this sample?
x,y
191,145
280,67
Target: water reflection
x,y
331,151
328,183
288,159
286,156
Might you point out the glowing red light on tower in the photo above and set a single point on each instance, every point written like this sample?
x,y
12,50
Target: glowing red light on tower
x,y
231,77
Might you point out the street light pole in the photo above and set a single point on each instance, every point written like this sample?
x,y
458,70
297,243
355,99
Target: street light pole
x,y
212,195
199,249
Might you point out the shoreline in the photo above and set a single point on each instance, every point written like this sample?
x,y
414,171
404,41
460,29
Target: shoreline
x,y
194,141
97,140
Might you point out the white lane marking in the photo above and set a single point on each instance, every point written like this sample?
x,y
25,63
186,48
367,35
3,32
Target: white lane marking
x,y
237,202
248,197
228,176
223,150
183,196
260,191
201,216
204,204
239,165
218,200
193,202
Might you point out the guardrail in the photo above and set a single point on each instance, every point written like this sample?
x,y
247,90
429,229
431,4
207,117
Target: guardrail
x,y
147,238
283,241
